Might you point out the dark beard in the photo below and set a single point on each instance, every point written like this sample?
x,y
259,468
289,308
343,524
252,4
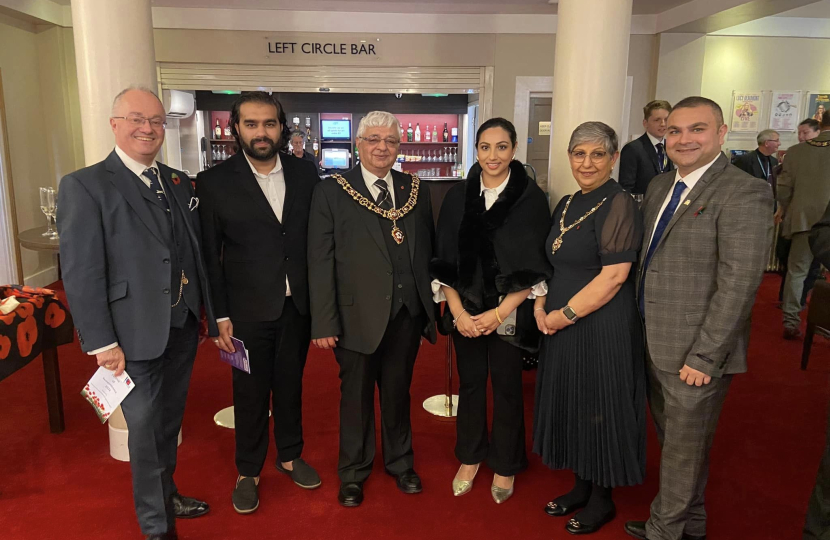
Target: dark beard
x,y
261,155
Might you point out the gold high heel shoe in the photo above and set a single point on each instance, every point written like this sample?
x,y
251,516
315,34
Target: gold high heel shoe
x,y
460,487
500,494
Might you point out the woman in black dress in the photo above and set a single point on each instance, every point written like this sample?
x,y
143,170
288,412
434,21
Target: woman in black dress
x,y
489,256
590,388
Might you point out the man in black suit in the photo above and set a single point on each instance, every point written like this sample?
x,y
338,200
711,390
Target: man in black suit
x,y
135,278
370,239
255,223
644,158
760,162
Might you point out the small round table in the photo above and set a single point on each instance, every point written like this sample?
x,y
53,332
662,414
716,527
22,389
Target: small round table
x,y
33,239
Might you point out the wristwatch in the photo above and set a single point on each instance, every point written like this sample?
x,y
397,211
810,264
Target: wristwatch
x,y
570,314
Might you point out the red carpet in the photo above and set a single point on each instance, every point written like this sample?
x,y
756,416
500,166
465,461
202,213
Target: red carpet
x,y
66,486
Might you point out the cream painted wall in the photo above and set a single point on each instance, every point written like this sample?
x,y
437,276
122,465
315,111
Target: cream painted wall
x,y
29,143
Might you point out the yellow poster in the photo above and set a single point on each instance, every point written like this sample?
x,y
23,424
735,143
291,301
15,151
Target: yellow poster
x,y
746,112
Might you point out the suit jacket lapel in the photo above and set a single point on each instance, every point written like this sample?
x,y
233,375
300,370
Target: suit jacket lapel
x,y
247,181
290,187
652,215
370,219
651,152
403,188
126,183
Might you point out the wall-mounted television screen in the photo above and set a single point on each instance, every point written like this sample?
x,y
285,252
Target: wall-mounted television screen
x,y
336,130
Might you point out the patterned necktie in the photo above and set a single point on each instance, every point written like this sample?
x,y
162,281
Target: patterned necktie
x,y
384,200
661,157
156,187
662,223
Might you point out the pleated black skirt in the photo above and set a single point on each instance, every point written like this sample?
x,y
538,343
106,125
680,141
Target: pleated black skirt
x,y
590,410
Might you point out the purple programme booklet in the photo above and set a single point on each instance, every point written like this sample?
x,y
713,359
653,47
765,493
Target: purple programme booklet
x,y
238,359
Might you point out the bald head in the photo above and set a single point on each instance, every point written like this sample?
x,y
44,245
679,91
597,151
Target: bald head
x,y
133,91
137,122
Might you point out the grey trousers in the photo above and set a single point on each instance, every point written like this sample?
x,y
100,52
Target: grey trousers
x,y
798,266
686,418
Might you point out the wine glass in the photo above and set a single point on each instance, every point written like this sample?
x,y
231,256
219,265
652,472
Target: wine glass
x,y
446,153
49,208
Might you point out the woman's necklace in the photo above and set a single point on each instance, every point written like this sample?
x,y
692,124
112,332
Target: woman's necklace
x,y
562,229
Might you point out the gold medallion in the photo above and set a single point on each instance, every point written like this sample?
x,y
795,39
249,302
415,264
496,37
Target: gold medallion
x,y
397,234
393,214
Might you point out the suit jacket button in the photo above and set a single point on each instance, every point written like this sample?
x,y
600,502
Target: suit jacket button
x,y
388,273
166,291
389,298
400,286
286,258
166,261
283,233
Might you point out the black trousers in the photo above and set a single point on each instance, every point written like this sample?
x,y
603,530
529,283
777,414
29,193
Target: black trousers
x,y
277,352
154,411
390,368
817,522
505,453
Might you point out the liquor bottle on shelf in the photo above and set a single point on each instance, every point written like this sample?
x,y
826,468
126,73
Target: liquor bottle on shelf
x,y
409,133
403,133
435,133
316,147
446,134
455,134
428,135
417,132
308,127
217,131
228,130
296,122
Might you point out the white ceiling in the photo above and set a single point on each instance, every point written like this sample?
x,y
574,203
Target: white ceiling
x,y
819,10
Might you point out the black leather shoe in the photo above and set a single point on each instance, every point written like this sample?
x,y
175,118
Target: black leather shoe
x,y
350,494
575,527
188,507
637,529
557,510
408,481
792,333
170,535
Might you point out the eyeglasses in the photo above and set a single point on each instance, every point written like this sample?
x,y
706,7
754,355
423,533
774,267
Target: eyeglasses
x,y
374,141
137,121
578,156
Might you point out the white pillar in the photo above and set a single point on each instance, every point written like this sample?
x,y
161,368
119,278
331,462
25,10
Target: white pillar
x,y
113,49
590,68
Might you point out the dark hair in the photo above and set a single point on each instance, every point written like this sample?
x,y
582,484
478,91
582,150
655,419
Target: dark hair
x,y
497,123
698,101
264,98
655,105
812,123
825,120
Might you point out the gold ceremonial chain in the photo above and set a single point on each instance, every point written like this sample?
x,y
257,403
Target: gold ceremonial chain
x,y
394,214
562,229
182,283
820,144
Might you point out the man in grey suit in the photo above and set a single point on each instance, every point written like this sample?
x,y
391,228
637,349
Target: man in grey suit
x,y
803,194
134,277
370,239
708,229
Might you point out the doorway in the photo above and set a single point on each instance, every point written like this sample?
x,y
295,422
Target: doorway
x,y
11,270
538,137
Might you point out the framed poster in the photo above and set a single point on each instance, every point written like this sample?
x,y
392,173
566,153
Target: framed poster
x,y
784,114
817,104
746,112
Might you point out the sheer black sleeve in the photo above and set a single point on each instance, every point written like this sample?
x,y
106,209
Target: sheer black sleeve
x,y
621,233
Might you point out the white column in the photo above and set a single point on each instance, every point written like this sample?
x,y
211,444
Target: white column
x,y
590,68
113,49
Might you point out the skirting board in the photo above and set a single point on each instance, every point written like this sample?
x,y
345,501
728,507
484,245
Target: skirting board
x,y
43,278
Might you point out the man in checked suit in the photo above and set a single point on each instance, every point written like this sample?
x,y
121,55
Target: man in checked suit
x,y
708,230
134,276
645,157
371,300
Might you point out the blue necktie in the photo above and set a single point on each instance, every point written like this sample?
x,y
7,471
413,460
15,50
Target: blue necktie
x,y
156,187
661,157
662,223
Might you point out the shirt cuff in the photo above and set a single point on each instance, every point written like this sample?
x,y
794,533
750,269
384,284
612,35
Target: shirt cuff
x,y
103,349
437,293
540,289
222,319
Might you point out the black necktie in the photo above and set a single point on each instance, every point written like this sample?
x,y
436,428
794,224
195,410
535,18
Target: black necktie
x,y
156,187
384,200
661,157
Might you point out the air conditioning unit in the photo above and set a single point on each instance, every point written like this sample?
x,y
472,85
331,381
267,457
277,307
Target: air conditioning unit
x,y
179,104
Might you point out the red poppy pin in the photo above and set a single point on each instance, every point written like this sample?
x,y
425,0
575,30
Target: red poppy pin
x,y
176,179
700,211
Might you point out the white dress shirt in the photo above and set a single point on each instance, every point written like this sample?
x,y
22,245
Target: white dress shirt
x,y
369,179
655,141
490,197
138,169
690,180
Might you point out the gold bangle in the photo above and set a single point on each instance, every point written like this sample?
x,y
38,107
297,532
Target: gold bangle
x,y
497,316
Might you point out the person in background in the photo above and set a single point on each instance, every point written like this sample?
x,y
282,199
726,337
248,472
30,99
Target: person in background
x,y
135,278
298,147
590,413
254,215
803,194
489,254
807,130
708,231
761,162
370,238
644,158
